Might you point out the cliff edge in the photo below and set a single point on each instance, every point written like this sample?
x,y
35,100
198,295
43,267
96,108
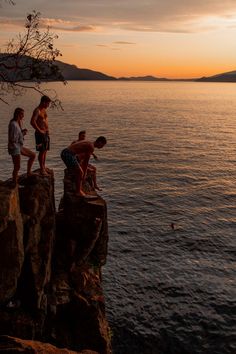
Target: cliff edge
x,y
50,266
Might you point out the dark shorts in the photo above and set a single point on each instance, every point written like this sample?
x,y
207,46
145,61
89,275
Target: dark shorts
x,y
69,159
42,141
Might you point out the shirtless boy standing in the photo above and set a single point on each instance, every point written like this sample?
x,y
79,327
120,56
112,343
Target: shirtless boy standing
x,y
39,121
76,157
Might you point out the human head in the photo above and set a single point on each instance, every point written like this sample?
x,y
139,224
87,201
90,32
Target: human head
x,y
18,113
100,142
82,135
45,101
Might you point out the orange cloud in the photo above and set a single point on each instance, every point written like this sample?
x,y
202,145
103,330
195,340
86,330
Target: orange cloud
x,y
63,25
123,42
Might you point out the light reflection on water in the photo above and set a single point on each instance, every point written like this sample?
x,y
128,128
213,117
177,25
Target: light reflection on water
x,y
170,158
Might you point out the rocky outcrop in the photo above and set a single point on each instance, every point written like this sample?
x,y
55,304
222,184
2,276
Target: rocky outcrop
x,y
81,250
11,242
17,345
26,238
51,265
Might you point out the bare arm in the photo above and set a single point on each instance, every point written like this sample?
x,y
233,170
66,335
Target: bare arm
x,y
23,131
33,120
84,163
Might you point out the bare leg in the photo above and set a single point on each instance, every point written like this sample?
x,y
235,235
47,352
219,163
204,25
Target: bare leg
x,y
16,163
93,172
79,175
44,162
42,159
31,155
95,182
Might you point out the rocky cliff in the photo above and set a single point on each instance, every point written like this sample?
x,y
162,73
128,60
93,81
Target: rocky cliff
x,y
50,266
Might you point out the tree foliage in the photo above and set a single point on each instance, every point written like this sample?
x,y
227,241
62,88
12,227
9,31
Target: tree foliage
x,y
29,59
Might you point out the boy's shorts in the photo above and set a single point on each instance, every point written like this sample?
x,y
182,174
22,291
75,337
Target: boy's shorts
x,y
69,159
42,141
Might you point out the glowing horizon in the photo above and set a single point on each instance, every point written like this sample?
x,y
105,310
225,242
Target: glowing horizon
x,y
171,39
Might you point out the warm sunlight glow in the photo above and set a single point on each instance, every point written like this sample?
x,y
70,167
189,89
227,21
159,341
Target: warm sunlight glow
x,y
137,39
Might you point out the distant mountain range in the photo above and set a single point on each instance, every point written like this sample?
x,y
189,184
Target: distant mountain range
x,y
224,77
72,72
143,78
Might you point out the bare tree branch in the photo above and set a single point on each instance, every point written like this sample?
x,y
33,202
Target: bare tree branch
x,y
11,2
30,57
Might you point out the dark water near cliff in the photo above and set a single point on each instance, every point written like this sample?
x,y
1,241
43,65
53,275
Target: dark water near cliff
x,y
170,158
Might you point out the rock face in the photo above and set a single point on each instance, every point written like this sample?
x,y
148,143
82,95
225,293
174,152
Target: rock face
x,y
11,242
16,345
50,265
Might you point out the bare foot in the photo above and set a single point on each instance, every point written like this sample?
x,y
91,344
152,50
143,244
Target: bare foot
x,y
86,196
96,187
80,194
91,196
47,169
31,174
44,173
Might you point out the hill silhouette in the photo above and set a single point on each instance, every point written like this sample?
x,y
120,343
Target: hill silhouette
x,y
29,69
72,72
223,77
143,78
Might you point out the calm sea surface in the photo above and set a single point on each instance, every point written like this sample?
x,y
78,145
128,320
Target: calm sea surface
x,y
170,158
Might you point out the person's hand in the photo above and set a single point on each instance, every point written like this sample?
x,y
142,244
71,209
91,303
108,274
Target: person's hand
x,y
24,131
41,131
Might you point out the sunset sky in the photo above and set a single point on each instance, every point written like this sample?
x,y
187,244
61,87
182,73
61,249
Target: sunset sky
x,y
164,38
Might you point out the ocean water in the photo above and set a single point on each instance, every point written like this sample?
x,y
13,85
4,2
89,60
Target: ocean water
x,y
170,160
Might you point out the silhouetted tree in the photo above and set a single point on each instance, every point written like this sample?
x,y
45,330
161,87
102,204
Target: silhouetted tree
x,y
28,60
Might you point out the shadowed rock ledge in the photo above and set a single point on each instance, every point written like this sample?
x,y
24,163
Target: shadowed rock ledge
x,y
50,266
13,345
